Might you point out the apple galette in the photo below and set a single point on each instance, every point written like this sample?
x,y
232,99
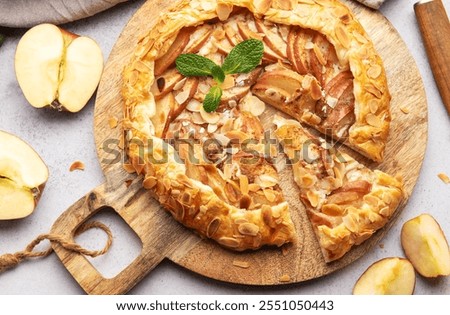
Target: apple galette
x,y
211,168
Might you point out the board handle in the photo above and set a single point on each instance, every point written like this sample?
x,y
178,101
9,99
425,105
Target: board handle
x,y
435,28
133,204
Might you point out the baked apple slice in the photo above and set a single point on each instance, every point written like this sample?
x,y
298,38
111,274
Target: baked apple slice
x,y
57,68
271,37
23,175
288,91
177,47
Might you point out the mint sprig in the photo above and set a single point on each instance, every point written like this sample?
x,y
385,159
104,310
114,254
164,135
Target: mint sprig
x,y
218,74
243,58
192,65
212,99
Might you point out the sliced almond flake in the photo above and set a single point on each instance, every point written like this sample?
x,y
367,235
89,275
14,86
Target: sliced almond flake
x,y
227,171
232,103
204,87
374,71
194,105
339,11
223,10
373,90
309,45
342,36
224,141
228,82
266,181
373,120
149,182
113,122
243,184
213,226
129,168
211,118
319,55
331,101
227,126
316,91
248,229
197,118
306,82
270,195
444,178
386,212
182,96
241,264
312,198
253,187
373,105
360,38
77,165
311,118
405,110
211,128
179,84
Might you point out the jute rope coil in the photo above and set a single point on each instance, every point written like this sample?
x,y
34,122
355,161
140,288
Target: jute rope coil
x,y
11,260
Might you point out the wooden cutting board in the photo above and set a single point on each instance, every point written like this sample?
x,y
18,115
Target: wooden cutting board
x,y
162,237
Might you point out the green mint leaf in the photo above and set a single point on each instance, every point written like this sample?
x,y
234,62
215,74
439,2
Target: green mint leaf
x,y
244,57
212,99
191,65
218,74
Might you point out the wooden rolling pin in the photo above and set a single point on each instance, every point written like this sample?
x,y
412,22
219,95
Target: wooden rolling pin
x,y
435,28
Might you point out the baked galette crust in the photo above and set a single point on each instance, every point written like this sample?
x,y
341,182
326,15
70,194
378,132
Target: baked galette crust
x,y
197,201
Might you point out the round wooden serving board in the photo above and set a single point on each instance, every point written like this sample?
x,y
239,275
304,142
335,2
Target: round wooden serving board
x,y
162,237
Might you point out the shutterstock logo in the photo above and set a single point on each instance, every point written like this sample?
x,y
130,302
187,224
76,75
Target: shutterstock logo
x,y
192,150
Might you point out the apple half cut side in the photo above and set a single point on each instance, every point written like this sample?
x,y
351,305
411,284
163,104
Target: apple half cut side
x,y
388,276
23,175
425,245
57,68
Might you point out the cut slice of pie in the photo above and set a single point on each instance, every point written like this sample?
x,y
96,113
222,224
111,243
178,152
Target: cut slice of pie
x,y
346,201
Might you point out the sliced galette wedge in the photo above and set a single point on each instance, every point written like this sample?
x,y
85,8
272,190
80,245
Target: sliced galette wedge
x,y
346,202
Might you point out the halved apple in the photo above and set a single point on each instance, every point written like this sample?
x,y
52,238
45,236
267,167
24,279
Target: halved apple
x,y
57,68
23,175
425,246
389,276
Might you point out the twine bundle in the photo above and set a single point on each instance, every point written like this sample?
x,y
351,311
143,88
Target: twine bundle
x,y
11,260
